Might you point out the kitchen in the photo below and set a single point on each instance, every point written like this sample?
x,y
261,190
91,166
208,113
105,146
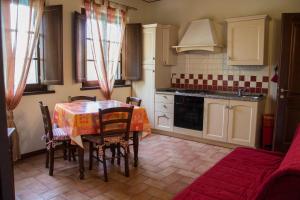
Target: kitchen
x,y
205,88
209,91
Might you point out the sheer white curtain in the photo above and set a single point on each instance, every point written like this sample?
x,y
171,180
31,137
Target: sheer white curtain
x,y
105,27
21,21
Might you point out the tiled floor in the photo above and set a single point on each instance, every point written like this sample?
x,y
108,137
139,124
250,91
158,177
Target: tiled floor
x,y
166,166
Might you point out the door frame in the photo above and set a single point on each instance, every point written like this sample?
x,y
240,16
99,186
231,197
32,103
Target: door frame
x,y
6,165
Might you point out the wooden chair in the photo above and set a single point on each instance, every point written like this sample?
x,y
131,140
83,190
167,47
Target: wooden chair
x,y
134,101
81,98
111,138
137,102
53,137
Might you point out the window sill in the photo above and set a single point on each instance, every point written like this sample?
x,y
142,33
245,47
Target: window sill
x,y
97,87
38,92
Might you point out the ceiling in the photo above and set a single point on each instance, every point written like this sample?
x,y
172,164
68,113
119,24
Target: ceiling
x,y
150,1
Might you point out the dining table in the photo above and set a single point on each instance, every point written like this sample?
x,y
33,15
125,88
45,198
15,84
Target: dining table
x,y
81,118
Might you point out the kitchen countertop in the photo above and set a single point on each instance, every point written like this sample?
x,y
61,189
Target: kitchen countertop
x,y
212,94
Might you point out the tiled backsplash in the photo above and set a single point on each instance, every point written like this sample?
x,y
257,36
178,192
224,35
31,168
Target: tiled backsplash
x,y
209,71
253,84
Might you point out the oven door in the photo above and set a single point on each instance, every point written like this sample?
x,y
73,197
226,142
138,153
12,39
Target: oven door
x,y
188,112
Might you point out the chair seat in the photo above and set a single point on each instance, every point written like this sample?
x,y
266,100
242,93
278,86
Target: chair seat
x,y
60,135
109,140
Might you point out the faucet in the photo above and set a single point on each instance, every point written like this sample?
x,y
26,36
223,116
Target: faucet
x,y
241,91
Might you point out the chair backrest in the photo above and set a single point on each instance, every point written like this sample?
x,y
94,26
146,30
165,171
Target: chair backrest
x,y
46,120
134,101
81,98
284,183
115,122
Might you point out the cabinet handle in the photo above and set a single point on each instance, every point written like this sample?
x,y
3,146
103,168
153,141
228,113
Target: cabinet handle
x,y
165,116
229,58
165,97
229,107
153,58
164,106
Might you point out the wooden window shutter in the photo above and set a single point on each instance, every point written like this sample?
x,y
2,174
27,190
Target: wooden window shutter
x,y
132,52
52,42
80,47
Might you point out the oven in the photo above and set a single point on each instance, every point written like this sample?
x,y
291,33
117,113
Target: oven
x,y
188,112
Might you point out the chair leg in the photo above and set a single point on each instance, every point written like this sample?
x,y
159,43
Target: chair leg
x,y
104,166
91,149
47,159
113,153
126,163
73,154
65,150
69,151
118,154
51,155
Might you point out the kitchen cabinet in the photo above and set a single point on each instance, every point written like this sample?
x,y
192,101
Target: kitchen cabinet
x,y
157,44
164,112
170,38
247,40
242,123
233,121
149,36
215,119
147,95
155,74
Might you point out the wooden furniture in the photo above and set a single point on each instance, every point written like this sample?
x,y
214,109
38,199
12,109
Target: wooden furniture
x,y
80,119
134,101
110,138
288,91
247,40
81,98
232,121
164,112
137,102
132,52
157,55
53,136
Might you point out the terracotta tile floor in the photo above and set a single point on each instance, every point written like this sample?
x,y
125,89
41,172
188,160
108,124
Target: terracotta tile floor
x,y
166,166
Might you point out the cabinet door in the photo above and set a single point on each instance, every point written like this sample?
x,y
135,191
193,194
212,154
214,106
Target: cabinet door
x,y
145,90
169,34
242,123
164,121
149,37
215,119
246,42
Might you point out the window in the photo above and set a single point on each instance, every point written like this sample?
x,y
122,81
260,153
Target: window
x,y
39,71
17,11
91,75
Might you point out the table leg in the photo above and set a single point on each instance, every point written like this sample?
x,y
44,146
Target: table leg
x,y
81,162
136,147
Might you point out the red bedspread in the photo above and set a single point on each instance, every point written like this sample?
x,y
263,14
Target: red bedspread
x,y
237,177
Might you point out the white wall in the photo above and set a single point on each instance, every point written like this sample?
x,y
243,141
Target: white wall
x,y
27,114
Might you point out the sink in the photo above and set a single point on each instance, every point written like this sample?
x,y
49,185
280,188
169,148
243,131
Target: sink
x,y
253,96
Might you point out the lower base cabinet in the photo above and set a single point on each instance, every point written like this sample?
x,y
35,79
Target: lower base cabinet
x,y
235,122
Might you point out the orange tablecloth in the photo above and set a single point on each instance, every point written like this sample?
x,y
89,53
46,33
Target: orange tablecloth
x,y
81,118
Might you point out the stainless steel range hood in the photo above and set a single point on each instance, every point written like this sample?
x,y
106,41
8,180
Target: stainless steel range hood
x,y
201,35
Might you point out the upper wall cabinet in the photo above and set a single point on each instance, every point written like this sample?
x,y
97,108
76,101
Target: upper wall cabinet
x,y
247,40
170,38
157,44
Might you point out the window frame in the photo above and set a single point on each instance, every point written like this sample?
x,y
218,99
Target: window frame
x,y
88,85
39,87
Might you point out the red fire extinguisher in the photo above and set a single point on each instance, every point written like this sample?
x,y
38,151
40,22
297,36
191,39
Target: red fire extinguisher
x,y
268,127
